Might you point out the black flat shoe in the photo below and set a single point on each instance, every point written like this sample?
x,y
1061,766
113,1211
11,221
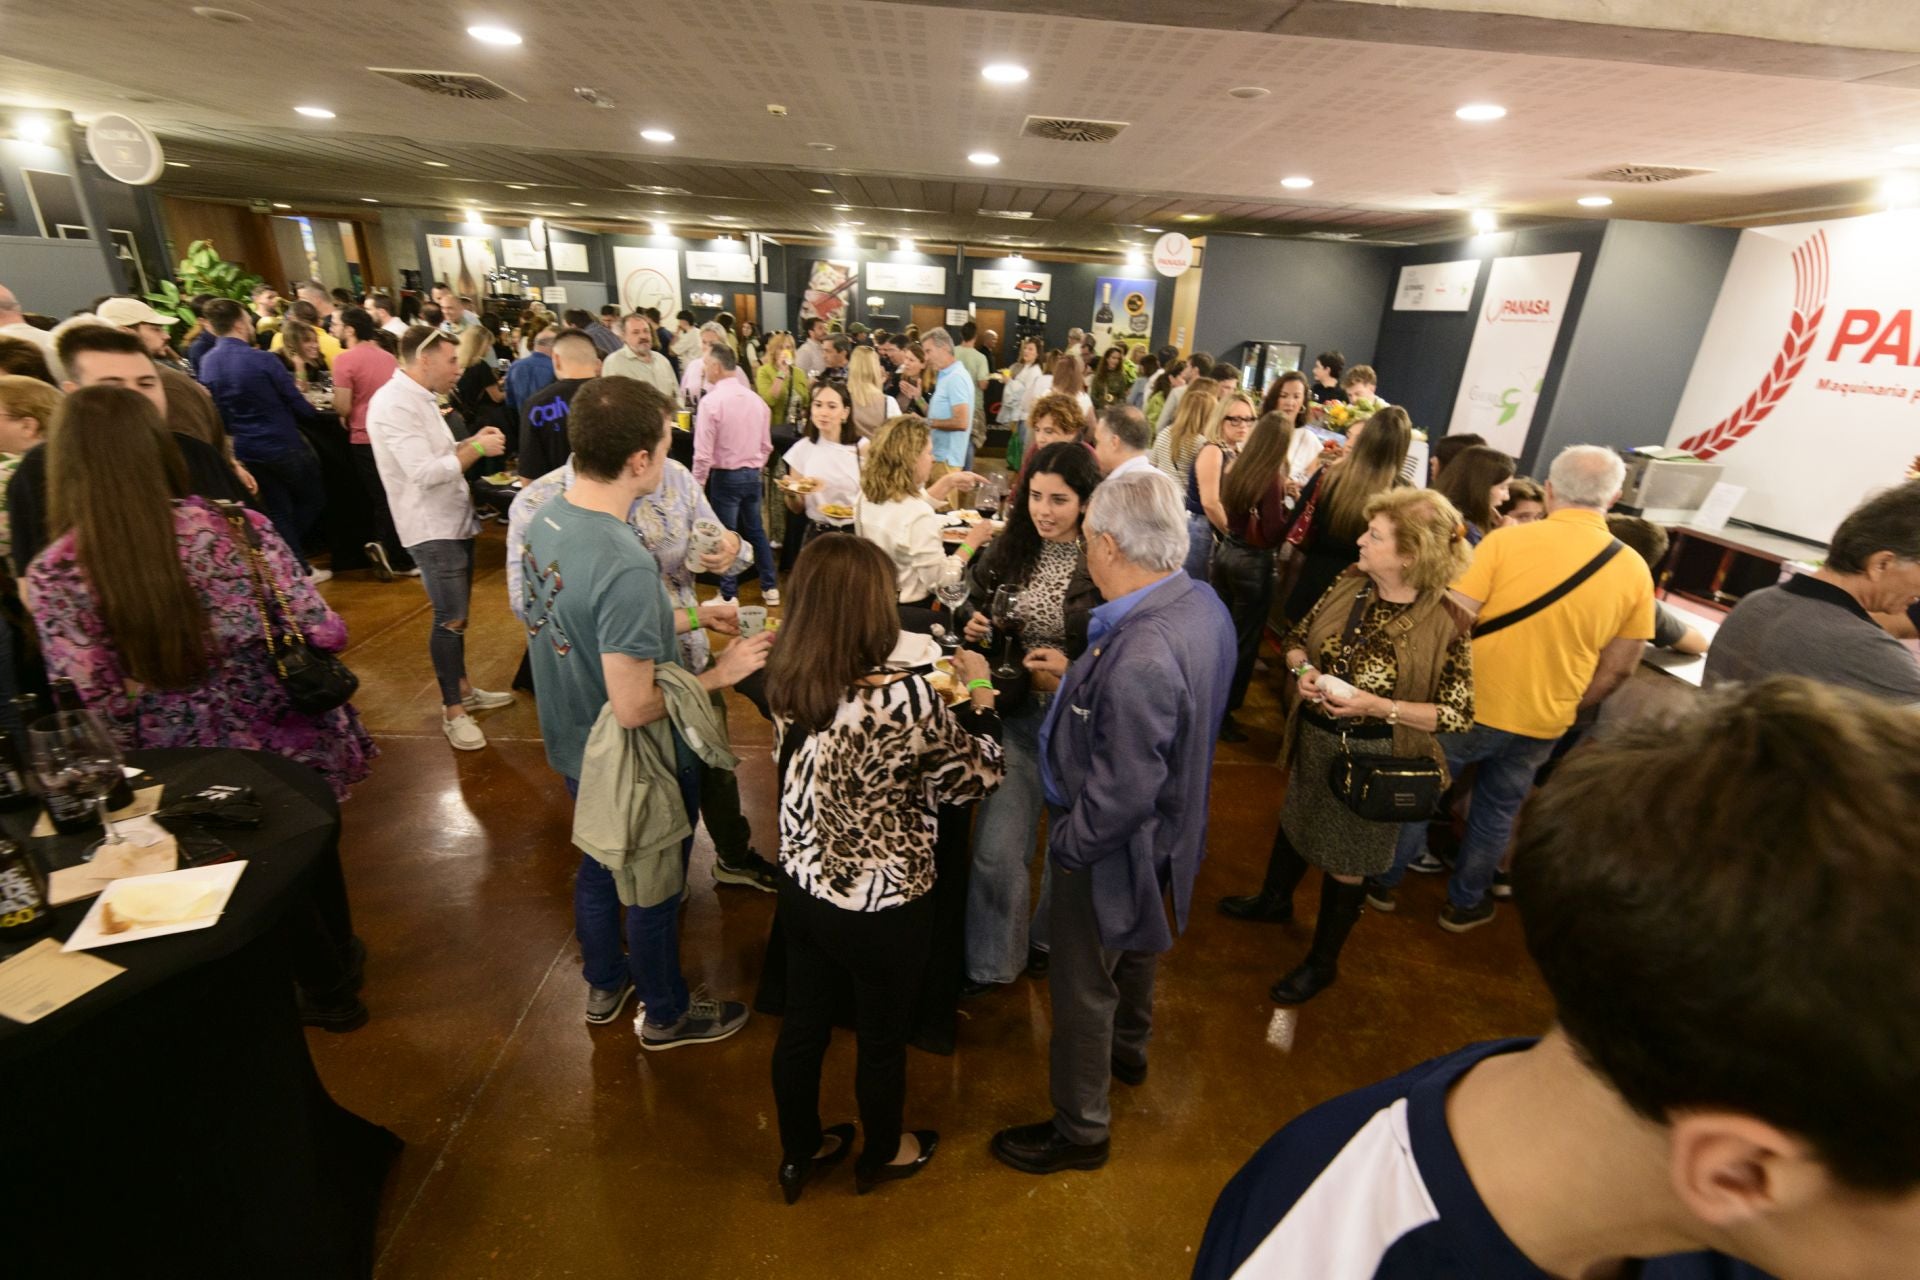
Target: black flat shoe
x,y
1041,1148
1260,907
1230,731
865,1180
1127,1074
1039,961
796,1174
971,990
1302,985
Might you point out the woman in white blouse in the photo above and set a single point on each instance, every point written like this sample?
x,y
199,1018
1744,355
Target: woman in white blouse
x,y
895,511
1020,380
826,454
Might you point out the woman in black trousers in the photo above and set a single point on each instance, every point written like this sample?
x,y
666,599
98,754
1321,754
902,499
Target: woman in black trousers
x,y
1248,525
867,756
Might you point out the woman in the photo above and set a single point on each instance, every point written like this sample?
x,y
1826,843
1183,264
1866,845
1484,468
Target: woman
x,y
479,395
1526,502
895,509
1070,380
301,351
871,403
1174,375
1475,482
1228,422
908,385
145,600
1386,628
781,383
1332,508
867,757
358,374
1148,367
746,337
1112,382
829,456
1174,448
27,407
1249,521
1017,394
1044,557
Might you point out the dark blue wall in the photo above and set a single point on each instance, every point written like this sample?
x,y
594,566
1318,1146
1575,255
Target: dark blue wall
x,y
1322,294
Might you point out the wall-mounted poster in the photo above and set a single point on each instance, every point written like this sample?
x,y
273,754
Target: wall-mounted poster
x,y
1007,284
647,278
829,290
736,268
1436,286
906,277
1122,311
462,261
1512,345
522,256
568,256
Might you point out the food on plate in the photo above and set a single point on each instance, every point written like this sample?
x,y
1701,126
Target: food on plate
x,y
800,484
945,683
965,515
145,906
836,511
953,533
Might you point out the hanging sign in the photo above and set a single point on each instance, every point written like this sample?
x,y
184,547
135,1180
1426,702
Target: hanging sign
x,y
1172,254
1013,285
125,150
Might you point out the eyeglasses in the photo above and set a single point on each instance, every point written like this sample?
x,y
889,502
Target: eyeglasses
x,y
1240,418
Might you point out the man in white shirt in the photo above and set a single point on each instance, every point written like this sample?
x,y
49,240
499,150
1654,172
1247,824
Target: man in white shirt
x,y
812,355
382,308
1121,440
424,473
453,314
13,324
686,340
637,359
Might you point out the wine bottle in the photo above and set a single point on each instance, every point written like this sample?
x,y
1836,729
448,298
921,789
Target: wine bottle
x,y
24,911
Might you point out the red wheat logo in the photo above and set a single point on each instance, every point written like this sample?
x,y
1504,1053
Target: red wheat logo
x,y
1809,306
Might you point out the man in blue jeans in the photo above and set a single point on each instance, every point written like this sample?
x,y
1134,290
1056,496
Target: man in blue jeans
x,y
732,439
1534,667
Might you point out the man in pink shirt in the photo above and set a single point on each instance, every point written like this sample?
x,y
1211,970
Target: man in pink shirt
x,y
359,371
731,442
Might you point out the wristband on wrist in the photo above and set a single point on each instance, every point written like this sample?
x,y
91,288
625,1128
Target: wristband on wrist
x,y
1302,669
965,552
693,618
979,684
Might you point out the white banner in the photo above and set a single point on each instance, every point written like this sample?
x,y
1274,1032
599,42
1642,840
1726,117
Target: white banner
x,y
648,278
522,256
1512,344
1436,286
569,256
906,277
1807,383
734,267
1005,284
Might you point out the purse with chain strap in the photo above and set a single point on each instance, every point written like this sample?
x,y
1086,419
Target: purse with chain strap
x,y
316,681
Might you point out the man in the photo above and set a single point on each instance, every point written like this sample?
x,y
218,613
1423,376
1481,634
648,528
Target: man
x,y
887,347
1326,377
1361,383
533,372
203,337
693,380
307,313
812,355
543,417
190,410
381,306
1199,365
1535,665
1726,1090
1121,441
1076,338
1126,775
265,318
13,324
686,340
424,473
146,324
358,375
950,411
601,628
321,299
1820,624
453,316
96,355
605,340
974,361
732,438
837,354
636,358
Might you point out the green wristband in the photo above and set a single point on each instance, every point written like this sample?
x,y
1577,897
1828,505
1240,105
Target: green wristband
x,y
693,618
978,684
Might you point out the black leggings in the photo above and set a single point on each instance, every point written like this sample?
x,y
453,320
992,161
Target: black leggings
x,y
1244,578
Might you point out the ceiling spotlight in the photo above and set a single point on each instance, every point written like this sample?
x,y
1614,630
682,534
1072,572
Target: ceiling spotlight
x,y
316,113
1296,184
1594,202
821,191
982,158
656,135
843,239
474,218
1135,259
1152,231
34,129
178,164
843,208
662,229
1481,111
1901,190
1013,255
578,204
368,200
1003,73
821,146
1485,220
906,245
437,164
278,205
494,35
516,186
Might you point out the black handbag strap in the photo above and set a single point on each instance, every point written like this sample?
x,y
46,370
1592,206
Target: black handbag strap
x,y
1488,626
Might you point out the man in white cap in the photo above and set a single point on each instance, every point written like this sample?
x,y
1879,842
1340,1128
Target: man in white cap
x,y
148,325
13,324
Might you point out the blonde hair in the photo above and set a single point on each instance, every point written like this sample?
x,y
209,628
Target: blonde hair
x,y
775,345
29,398
475,342
1429,531
1216,425
1191,421
864,384
892,455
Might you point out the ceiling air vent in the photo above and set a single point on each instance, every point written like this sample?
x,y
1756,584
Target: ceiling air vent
x,y
1064,129
449,84
593,97
1640,174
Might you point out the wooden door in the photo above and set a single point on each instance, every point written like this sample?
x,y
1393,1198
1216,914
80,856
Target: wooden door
x,y
994,318
925,318
746,309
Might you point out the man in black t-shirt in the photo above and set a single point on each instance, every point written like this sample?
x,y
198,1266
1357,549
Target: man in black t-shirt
x,y
543,419
1326,376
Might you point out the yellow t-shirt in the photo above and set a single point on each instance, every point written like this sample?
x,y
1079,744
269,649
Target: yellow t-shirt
x,y
1528,678
330,347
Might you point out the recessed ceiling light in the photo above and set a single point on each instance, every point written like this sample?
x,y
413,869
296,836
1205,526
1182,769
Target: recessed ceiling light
x,y
843,207
473,216
1296,184
1907,149
1594,202
852,223
1481,111
516,186
982,158
278,205
1003,73
906,245
821,191
213,14
1485,220
656,135
1248,92
821,146
178,164
368,200
494,35
437,164
1193,217
725,217
317,113
1154,231
843,239
662,229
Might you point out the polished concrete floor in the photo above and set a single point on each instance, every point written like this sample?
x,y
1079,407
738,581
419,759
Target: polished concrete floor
x,y
538,1146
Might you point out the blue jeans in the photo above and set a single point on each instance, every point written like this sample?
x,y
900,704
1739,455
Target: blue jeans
x,y
292,493
1199,547
653,933
1004,832
446,571
1507,763
735,495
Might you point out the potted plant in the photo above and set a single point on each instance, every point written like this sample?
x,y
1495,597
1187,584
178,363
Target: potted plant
x,y
201,271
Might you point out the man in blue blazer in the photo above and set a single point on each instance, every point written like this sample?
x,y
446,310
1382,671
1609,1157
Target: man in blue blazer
x,y
1126,757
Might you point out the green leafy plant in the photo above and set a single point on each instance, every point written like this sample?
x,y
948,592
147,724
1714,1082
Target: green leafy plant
x,y
201,271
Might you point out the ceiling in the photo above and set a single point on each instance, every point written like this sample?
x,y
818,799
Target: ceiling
x,y
1792,108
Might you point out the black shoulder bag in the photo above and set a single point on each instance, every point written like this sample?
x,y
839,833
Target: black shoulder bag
x,y
1486,628
1381,788
316,681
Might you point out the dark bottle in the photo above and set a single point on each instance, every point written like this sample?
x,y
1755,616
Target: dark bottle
x,y
15,793
66,697
24,912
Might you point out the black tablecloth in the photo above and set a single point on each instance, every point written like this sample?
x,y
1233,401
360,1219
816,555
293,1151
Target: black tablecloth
x,y
347,522
170,1122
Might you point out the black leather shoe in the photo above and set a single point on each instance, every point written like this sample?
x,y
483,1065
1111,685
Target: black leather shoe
x,y
1126,1074
796,1174
338,1014
1230,731
865,1180
1302,985
1260,907
1041,1148
970,989
1038,962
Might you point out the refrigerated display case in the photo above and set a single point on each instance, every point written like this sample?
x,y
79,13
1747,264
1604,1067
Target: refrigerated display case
x,y
1262,360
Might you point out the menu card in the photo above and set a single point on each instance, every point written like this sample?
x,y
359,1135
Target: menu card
x,y
43,978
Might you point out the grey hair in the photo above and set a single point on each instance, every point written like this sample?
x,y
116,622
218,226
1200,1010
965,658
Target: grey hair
x,y
1587,475
545,338
722,354
1143,513
1888,521
1127,425
717,330
937,338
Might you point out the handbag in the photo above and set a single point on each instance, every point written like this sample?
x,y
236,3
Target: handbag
x,y
1382,788
316,681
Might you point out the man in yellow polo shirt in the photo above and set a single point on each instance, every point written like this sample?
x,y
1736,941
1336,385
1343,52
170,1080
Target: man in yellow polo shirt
x,y
1531,676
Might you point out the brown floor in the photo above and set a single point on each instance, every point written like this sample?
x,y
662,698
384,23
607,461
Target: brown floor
x,y
538,1146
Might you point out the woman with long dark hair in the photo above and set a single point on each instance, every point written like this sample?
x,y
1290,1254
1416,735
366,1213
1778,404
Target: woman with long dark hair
x,y
867,756
1044,557
829,458
1333,505
1111,382
1475,482
908,385
1253,502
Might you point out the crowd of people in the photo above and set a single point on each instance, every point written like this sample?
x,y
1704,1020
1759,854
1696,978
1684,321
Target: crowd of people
x,y
1444,640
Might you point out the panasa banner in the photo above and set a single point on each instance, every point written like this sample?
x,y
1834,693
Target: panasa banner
x,y
1513,339
1807,384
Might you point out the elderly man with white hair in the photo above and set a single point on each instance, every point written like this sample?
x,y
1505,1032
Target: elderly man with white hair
x,y
693,380
1126,758
1561,618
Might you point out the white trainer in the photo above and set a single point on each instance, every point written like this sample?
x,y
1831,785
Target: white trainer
x,y
318,576
485,700
463,734
772,597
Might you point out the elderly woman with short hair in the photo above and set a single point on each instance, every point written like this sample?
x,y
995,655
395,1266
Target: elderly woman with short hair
x,y
1400,647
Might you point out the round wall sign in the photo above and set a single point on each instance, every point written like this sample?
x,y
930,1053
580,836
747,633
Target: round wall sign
x,y
125,150
1172,254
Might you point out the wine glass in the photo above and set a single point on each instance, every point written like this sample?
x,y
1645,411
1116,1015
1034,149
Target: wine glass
x,y
951,590
987,502
74,756
1007,622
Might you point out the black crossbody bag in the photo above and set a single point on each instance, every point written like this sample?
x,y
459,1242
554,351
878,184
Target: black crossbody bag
x,y
1486,628
1382,788
316,681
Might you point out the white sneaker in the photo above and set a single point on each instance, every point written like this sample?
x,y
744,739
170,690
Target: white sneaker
x,y
463,734
772,597
318,576
486,700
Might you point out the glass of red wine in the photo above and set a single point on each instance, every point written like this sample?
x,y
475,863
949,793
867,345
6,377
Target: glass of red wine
x,y
76,761
1007,623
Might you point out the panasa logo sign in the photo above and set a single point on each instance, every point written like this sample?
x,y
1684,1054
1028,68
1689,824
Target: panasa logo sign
x,y
1523,310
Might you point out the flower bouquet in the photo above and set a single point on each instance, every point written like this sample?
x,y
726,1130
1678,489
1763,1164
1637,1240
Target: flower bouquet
x,y
1339,415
